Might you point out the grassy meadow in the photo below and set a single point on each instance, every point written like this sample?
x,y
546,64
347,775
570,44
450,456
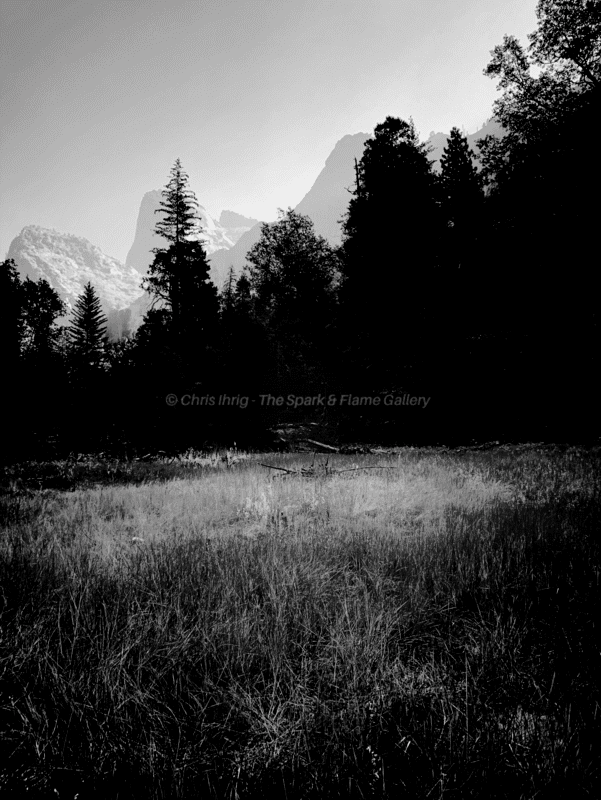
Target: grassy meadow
x,y
416,624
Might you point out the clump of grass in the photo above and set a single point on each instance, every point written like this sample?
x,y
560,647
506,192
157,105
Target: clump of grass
x,y
428,629
90,470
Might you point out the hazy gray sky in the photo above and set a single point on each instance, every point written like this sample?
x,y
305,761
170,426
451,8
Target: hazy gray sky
x,y
99,97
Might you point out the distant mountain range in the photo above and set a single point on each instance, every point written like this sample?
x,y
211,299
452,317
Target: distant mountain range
x,y
438,141
327,200
68,262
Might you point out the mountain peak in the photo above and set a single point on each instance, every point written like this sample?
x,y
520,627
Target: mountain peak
x,y
231,219
68,262
438,141
216,235
326,201
349,145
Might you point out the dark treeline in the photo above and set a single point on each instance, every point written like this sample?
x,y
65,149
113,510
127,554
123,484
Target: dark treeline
x,y
472,287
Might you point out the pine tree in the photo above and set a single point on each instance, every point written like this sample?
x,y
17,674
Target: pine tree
x,y
179,206
461,301
228,314
389,254
87,332
242,341
179,268
227,298
460,183
179,282
395,191
462,204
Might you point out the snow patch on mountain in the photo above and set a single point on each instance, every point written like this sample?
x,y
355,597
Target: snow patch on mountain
x,y
68,262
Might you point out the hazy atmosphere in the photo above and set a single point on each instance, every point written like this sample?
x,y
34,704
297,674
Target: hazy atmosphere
x,y
100,96
299,492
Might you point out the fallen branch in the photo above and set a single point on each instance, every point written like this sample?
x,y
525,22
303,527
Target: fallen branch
x,y
328,447
354,469
311,471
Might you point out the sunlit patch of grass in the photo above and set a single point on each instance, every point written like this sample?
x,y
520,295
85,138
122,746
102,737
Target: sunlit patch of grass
x,y
422,624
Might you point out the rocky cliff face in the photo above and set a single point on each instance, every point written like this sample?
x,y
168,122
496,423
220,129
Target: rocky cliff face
x,y
233,221
222,260
217,234
68,262
325,203
327,200
438,141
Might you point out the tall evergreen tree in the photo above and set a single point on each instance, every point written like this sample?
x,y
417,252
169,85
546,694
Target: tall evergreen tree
x,y
461,203
227,318
462,302
87,332
181,270
180,221
183,320
390,251
459,180
243,351
227,298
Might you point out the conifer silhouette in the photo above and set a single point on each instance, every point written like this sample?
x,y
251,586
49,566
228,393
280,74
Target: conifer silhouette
x,y
87,332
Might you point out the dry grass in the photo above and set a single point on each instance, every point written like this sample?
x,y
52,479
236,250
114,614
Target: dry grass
x,y
422,623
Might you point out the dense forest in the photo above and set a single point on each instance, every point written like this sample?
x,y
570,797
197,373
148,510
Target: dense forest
x,y
475,318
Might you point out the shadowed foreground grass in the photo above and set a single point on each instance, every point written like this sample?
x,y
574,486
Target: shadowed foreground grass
x,y
426,630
